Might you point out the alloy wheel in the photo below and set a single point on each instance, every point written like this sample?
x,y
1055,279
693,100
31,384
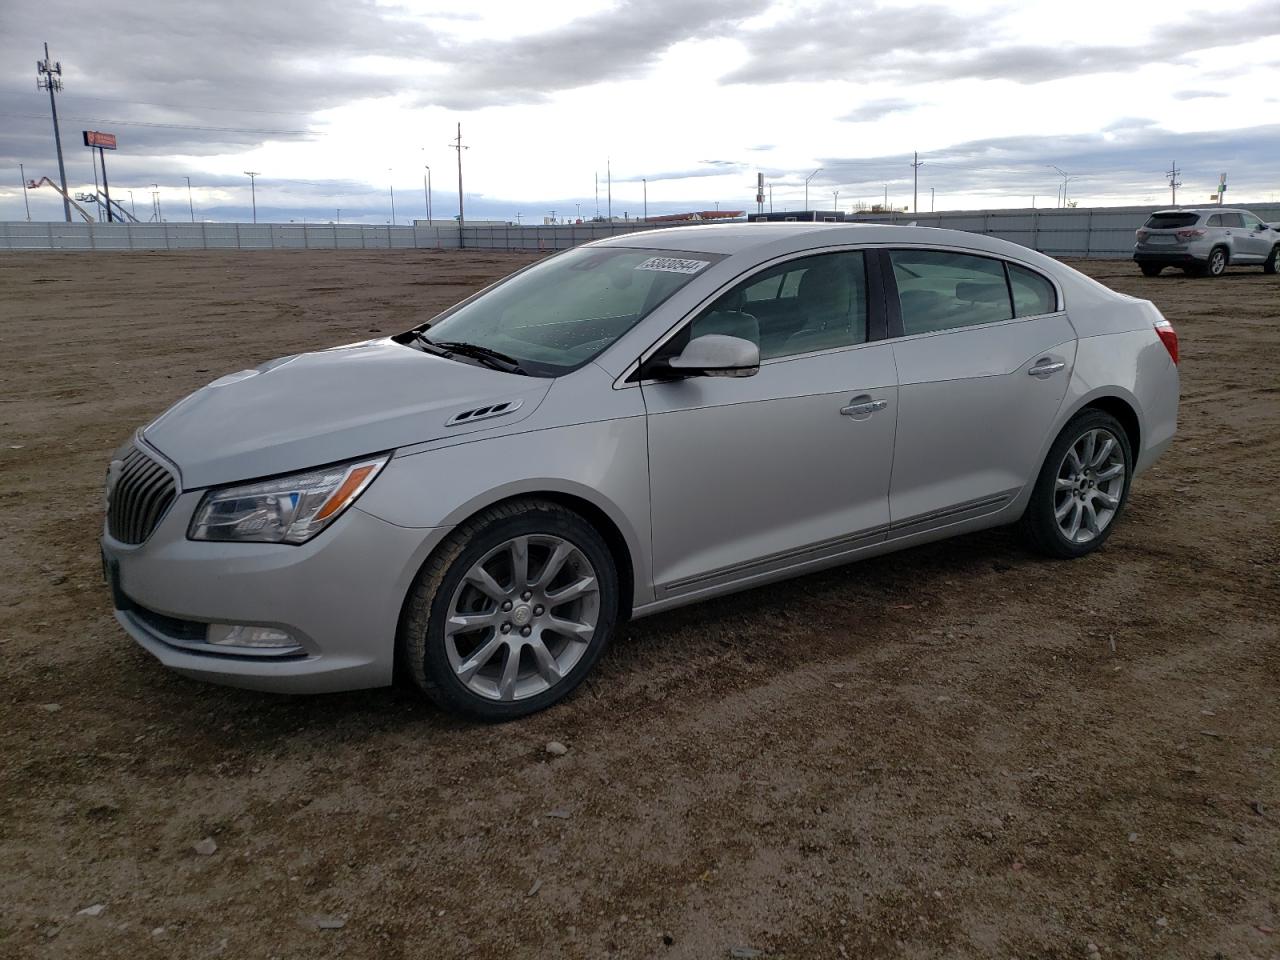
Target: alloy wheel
x,y
522,617
1089,486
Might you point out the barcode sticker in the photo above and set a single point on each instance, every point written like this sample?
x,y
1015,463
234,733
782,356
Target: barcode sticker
x,y
673,265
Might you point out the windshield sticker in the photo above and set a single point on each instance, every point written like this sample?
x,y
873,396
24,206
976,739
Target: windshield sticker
x,y
673,265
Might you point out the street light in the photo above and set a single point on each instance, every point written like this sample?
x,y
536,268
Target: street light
x,y
806,186
190,205
253,190
426,189
645,181
393,197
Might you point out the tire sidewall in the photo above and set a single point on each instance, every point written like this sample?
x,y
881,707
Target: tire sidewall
x,y
1042,497
559,523
1217,255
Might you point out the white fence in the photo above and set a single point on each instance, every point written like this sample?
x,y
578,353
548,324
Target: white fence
x,y
1089,232
21,235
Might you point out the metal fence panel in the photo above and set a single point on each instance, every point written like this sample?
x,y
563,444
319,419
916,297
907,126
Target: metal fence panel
x,y
1075,232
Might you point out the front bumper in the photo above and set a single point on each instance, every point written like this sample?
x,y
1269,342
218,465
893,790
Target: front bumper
x,y
339,595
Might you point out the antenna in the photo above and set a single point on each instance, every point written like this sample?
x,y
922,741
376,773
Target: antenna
x,y
1174,183
49,77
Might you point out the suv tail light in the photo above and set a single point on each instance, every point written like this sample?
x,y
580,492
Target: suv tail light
x,y
1143,234
1169,337
1193,234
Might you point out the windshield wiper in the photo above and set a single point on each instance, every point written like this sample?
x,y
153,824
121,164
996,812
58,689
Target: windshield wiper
x,y
486,355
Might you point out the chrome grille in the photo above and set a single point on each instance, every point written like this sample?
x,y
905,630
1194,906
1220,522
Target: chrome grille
x,y
143,492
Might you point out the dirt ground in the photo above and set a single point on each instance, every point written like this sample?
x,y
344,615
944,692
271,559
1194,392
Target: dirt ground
x,y
958,751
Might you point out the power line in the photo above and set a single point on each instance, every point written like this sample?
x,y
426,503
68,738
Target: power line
x,y
170,126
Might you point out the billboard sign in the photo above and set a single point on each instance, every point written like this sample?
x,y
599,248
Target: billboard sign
x,y
104,141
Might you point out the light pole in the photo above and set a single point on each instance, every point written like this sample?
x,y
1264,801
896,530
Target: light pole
x,y
426,190
190,205
132,208
1066,178
155,195
806,186
931,200
836,199
916,164
645,181
579,216
253,191
393,197
22,172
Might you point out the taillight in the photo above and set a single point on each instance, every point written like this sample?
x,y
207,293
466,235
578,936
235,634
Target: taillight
x,y
1143,234
1192,234
1169,337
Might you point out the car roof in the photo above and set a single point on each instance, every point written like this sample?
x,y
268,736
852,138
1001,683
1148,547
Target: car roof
x,y
1200,210
780,238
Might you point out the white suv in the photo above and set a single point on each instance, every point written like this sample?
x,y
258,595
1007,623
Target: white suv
x,y
1205,241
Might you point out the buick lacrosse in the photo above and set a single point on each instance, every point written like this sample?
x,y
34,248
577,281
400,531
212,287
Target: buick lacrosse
x,y
622,428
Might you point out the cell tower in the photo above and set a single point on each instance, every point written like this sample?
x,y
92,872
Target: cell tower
x,y
49,77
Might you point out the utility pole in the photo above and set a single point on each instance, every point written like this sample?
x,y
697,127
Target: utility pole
x,y
457,145
835,194
49,77
22,172
645,181
608,171
916,164
426,190
253,190
597,195
155,202
885,208
390,177
190,204
931,200
1174,182
806,186
771,198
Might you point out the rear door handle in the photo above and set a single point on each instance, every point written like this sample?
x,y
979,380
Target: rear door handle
x,y
862,407
1046,368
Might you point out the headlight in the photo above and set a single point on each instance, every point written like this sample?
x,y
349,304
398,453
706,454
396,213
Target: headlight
x,y
290,509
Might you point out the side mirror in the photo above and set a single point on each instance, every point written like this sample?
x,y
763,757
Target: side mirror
x,y
716,355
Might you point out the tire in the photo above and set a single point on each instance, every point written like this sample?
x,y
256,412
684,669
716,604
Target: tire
x,y
445,590
1151,269
1040,523
1271,265
1216,265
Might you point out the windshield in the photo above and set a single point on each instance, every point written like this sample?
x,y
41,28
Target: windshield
x,y
560,313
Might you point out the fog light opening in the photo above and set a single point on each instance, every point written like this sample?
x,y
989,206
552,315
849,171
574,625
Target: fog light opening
x,y
247,635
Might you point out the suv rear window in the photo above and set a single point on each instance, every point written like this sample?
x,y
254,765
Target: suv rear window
x,y
1169,221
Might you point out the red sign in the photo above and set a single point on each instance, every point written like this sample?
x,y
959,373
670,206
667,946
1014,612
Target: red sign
x,y
92,138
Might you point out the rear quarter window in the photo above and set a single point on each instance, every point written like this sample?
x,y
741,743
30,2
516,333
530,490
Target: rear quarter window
x,y
1169,221
1033,295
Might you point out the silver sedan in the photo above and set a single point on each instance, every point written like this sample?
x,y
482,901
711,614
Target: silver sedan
x,y
623,428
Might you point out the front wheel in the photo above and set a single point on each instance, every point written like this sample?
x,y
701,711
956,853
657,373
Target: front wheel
x,y
511,612
1217,264
1082,487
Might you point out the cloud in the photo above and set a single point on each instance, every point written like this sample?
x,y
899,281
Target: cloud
x,y
713,168
884,43
1199,94
877,109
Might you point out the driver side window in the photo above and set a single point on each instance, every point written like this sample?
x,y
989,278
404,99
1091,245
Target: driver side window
x,y
800,306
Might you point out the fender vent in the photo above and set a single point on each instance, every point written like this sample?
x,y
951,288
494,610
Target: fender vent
x,y
484,413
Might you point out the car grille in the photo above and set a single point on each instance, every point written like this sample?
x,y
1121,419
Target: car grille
x,y
142,494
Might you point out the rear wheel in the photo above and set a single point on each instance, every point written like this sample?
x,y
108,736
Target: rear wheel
x,y
1217,264
511,612
1082,487
1151,269
1270,265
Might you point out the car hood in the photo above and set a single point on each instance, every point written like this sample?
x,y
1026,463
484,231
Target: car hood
x,y
318,408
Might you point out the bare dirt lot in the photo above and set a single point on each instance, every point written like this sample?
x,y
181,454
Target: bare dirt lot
x,y
959,751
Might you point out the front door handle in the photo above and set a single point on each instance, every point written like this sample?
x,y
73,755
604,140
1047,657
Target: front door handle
x,y
862,407
1046,368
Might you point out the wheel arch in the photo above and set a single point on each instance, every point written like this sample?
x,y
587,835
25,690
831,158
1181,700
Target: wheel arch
x,y
1124,412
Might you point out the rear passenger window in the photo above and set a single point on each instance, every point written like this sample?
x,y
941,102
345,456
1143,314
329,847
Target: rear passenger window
x,y
940,291
1232,220
1032,293
1214,221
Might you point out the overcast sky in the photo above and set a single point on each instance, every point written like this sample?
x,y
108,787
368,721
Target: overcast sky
x,y
336,101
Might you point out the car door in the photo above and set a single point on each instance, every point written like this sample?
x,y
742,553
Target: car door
x,y
1253,238
984,353
757,474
